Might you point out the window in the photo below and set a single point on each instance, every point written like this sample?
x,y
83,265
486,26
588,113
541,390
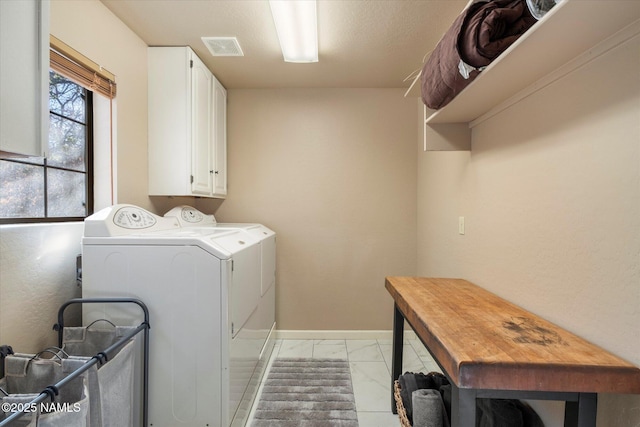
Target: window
x,y
58,187
61,187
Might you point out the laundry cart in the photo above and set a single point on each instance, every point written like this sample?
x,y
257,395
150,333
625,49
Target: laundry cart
x,y
111,386
203,288
85,382
26,375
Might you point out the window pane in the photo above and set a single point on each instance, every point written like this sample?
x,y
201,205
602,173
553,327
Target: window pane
x,y
66,193
21,190
66,98
66,143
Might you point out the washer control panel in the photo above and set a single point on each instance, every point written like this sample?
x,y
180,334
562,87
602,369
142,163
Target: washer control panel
x,y
121,220
132,217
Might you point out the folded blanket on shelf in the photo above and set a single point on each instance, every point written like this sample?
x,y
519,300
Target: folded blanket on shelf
x,y
479,35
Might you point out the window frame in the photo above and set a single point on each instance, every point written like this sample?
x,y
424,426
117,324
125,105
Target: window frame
x,y
89,195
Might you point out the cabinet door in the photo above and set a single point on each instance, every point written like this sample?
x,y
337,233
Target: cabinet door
x,y
201,129
220,138
24,76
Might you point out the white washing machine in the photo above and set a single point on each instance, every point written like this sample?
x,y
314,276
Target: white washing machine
x,y
203,287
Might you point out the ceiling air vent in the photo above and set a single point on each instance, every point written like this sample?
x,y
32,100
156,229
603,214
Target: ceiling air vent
x,y
223,46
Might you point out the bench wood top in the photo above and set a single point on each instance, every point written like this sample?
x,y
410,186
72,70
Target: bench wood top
x,y
486,342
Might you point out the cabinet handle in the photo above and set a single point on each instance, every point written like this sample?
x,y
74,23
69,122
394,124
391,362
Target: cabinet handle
x,y
212,171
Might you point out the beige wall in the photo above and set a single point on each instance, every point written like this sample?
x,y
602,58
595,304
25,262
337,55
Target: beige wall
x,y
333,172
37,275
551,197
90,28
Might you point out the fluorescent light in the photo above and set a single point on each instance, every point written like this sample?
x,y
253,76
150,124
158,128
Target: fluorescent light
x,y
297,26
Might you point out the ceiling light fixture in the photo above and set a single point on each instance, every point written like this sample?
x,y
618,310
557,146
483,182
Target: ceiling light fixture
x,y
297,27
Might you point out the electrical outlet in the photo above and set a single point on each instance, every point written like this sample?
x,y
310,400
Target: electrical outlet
x,y
461,225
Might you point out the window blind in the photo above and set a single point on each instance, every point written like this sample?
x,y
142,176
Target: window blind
x,y
70,63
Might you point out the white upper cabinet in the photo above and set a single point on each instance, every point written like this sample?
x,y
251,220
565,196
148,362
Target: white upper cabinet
x,y
187,126
202,155
220,136
24,77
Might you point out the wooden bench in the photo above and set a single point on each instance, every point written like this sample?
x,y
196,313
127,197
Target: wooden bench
x,y
488,347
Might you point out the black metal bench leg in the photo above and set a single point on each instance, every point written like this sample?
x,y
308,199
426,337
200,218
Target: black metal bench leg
x,y
463,407
396,356
583,412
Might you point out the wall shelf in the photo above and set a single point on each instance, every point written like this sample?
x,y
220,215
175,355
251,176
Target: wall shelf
x,y
569,30
571,34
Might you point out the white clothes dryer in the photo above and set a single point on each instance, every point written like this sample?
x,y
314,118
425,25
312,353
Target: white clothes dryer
x,y
255,341
190,217
202,287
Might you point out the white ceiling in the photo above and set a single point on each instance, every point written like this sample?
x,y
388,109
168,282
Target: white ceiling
x,y
362,43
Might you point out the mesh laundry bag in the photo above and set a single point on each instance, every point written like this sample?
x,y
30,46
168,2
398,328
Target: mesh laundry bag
x,y
26,375
111,387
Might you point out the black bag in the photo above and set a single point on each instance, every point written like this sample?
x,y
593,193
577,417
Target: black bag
x,y
489,412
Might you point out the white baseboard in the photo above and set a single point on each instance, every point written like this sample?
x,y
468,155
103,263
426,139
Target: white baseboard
x,y
339,335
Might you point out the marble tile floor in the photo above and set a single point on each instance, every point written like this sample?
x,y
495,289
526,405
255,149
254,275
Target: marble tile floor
x,y
370,363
